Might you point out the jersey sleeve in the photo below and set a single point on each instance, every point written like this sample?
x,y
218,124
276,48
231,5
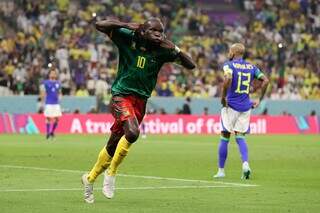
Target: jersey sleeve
x,y
121,36
227,70
257,73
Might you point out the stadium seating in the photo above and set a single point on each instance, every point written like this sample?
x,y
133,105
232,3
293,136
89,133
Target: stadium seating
x,y
60,34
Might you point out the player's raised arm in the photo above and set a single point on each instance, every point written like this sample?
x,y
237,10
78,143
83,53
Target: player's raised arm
x,y
184,59
106,26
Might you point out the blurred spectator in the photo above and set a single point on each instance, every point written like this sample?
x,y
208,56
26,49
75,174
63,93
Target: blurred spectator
x,y
91,85
101,92
40,106
19,79
206,111
4,81
186,109
76,111
164,90
82,92
162,111
282,38
265,112
65,79
62,54
93,110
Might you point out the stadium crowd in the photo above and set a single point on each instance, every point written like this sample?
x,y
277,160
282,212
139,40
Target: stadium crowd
x,y
282,38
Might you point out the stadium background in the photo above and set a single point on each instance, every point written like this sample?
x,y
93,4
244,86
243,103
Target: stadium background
x,y
282,38
165,172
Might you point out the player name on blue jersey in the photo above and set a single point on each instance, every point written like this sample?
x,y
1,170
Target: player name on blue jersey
x,y
242,73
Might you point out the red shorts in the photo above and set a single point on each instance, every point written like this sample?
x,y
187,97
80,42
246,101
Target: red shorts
x,y
124,108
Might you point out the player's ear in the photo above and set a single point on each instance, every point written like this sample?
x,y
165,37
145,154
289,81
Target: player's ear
x,y
141,30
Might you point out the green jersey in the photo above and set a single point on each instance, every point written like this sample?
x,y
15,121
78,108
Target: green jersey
x,y
138,67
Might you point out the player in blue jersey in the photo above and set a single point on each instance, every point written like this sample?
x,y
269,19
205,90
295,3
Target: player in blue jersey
x,y
50,93
237,105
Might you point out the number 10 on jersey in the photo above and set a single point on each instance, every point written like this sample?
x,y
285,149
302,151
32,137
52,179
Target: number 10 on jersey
x,y
141,62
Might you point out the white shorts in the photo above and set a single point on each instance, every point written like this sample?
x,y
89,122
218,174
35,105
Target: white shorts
x,y
52,110
234,121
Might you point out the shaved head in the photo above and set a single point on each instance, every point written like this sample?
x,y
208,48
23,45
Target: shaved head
x,y
236,50
153,21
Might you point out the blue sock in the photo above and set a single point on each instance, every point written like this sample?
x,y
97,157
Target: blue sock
x,y
223,151
243,148
48,128
55,124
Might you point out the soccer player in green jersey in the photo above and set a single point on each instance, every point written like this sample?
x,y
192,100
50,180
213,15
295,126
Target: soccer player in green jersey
x,y
143,49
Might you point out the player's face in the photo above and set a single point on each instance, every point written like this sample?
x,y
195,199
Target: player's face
x,y
154,31
52,75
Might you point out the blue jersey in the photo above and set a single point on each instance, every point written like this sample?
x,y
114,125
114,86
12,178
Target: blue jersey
x,y
242,74
52,89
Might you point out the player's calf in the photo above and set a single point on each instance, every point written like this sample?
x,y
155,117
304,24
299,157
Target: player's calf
x,y
223,153
113,142
243,149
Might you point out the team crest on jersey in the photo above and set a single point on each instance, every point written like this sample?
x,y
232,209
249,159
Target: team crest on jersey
x,y
57,85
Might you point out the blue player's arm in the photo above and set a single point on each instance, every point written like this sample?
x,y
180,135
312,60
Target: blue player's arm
x,y
264,85
226,84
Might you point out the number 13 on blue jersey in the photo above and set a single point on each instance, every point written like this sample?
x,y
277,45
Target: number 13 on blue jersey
x,y
244,82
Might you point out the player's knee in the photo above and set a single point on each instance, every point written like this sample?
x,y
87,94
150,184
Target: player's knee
x,y
225,134
240,134
132,134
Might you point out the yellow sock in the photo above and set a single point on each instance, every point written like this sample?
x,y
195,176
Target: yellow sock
x,y
120,153
103,161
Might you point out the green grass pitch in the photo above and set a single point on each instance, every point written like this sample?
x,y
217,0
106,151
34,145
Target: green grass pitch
x,y
44,176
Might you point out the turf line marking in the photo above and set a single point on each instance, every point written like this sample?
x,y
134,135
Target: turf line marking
x,y
132,176
187,180
120,188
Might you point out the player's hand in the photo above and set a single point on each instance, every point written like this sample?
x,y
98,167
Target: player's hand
x,y
255,103
167,44
224,102
252,89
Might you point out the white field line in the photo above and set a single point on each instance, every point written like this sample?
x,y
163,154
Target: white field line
x,y
132,176
120,188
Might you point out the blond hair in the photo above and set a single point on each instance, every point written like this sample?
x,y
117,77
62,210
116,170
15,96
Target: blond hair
x,y
237,49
